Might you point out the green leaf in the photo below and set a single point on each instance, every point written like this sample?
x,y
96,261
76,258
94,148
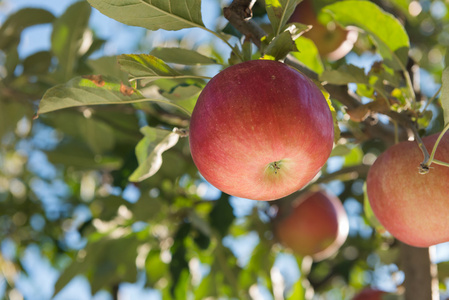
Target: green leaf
x,y
87,90
182,56
12,28
345,74
10,114
326,95
98,135
153,15
279,12
107,262
80,157
37,63
354,157
146,66
95,90
372,219
182,91
308,54
387,32
67,38
298,292
282,45
445,94
107,65
222,216
149,151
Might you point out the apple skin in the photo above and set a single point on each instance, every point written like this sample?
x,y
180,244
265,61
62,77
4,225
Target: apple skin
x,y
253,115
332,40
370,294
317,226
413,207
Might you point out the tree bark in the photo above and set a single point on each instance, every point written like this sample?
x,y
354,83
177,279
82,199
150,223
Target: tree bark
x,y
421,281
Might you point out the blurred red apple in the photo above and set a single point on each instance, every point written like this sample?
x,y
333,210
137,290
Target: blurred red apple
x,y
370,294
260,130
413,207
332,40
317,225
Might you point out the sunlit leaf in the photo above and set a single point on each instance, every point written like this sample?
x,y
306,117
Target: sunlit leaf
x,y
388,33
445,94
149,151
182,56
308,54
298,292
148,66
282,45
279,12
153,15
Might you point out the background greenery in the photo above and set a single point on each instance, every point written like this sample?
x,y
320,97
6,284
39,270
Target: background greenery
x,y
83,184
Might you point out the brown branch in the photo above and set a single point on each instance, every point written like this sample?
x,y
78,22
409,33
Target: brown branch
x,y
239,15
421,281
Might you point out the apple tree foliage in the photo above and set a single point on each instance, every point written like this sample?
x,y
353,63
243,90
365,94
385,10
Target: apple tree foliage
x,y
79,129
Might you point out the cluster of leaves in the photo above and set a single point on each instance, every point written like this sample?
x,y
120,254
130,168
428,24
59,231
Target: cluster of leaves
x,y
112,118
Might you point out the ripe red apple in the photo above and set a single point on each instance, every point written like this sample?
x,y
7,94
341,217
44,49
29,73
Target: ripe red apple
x,y
370,294
332,40
317,225
413,207
260,130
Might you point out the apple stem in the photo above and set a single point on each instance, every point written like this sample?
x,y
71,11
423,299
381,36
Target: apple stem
x,y
182,132
423,167
429,159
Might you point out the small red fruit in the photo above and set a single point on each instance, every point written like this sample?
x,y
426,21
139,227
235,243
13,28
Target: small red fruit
x,y
370,294
317,226
332,40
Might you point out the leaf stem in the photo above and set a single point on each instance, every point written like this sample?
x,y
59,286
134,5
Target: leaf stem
x,y
170,77
431,100
434,150
225,41
408,80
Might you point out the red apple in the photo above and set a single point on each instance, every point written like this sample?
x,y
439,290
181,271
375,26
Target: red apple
x,y
260,130
370,294
413,207
332,40
317,225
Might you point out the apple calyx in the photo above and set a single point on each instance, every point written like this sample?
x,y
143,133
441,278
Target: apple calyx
x,y
275,166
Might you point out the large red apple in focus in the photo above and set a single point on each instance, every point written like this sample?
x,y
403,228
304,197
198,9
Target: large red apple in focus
x,y
370,294
413,207
260,130
332,40
317,225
